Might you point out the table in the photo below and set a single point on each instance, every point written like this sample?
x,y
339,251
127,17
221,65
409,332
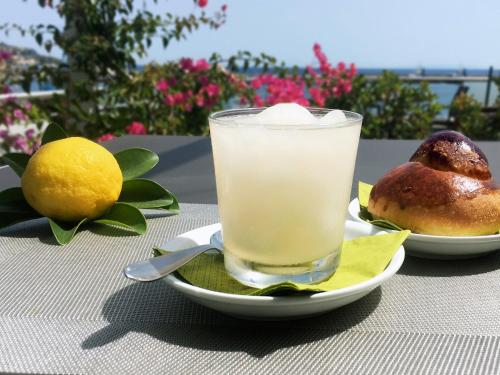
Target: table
x,y
69,309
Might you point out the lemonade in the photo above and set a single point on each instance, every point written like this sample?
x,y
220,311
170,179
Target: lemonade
x,y
283,190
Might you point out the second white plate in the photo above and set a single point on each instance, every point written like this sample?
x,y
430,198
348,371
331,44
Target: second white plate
x,y
439,247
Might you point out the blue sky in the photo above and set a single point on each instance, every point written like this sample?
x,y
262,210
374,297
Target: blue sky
x,y
371,33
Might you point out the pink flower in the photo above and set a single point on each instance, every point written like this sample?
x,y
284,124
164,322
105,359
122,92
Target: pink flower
x,y
311,71
178,98
8,120
223,7
201,65
136,128
200,100
202,3
256,83
20,143
341,66
324,66
353,69
318,96
30,134
3,134
5,55
186,63
347,87
189,107
105,137
172,81
162,85
169,100
28,106
337,91
212,90
257,101
203,80
284,90
19,114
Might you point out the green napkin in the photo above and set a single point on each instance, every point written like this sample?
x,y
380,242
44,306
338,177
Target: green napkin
x,y
362,258
364,190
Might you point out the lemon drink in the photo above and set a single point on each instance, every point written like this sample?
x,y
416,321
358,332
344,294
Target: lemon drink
x,y
284,178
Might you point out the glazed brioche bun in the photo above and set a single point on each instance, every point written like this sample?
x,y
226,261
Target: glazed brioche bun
x,y
445,189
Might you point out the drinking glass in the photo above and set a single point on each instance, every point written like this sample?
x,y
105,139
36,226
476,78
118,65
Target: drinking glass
x,y
282,193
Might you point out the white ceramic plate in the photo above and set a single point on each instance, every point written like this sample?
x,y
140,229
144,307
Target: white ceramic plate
x,y
265,307
439,247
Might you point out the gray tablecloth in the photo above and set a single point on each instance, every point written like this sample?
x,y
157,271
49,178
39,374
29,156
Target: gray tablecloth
x,y
70,310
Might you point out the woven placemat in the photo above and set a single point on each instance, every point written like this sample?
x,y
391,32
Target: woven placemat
x,y
70,310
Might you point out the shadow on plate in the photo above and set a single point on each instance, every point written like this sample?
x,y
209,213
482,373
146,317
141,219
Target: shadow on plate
x,y
166,315
414,266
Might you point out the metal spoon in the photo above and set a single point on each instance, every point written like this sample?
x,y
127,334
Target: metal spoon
x,y
158,267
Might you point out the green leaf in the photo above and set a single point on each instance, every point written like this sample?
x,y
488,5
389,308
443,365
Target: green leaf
x,y
53,133
385,224
143,193
64,232
173,207
125,216
17,161
134,162
12,200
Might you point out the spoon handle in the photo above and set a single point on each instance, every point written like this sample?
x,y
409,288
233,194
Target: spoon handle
x,y
158,267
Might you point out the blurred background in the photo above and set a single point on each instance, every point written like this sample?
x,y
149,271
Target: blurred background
x,y
105,68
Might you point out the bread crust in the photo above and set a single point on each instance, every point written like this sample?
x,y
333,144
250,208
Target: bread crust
x,y
454,152
439,202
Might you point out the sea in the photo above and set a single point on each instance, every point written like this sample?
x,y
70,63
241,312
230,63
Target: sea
x,y
444,91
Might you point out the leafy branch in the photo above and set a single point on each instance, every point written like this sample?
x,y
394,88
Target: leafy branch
x,y
137,193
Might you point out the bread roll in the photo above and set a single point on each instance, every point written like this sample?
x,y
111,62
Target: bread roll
x,y
445,189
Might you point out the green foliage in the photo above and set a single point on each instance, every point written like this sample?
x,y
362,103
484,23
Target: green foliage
x,y
104,92
64,232
125,216
392,108
101,41
469,119
136,193
135,162
53,133
142,193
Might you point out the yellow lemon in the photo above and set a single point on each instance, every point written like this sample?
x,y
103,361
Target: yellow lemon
x,y
71,179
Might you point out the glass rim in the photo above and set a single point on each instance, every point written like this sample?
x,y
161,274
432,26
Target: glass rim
x,y
227,118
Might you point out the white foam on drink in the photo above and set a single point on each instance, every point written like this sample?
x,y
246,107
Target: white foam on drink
x,y
333,118
286,114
